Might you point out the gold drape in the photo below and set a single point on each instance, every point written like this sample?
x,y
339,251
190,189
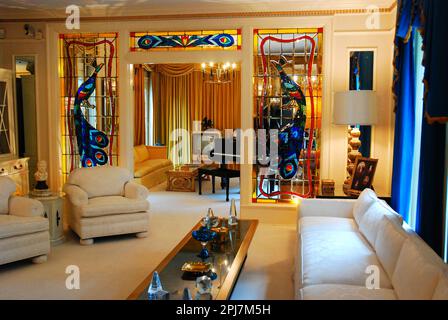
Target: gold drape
x,y
139,103
180,96
222,103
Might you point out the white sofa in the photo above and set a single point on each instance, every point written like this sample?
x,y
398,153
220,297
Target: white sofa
x,y
103,201
24,232
339,239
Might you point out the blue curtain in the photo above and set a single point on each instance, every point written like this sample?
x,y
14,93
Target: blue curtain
x,y
430,201
404,89
431,198
435,20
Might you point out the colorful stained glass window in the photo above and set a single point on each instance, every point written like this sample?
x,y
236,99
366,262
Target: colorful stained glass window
x,y
186,40
288,106
79,56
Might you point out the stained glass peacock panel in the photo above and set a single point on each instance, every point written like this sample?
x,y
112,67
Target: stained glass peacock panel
x,y
81,56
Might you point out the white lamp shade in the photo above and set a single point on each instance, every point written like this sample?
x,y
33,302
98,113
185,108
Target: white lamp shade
x,y
357,107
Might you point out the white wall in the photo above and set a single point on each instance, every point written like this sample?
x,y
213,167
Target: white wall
x,y
341,33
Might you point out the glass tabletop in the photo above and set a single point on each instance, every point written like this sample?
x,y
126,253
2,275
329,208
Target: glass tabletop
x,y
223,251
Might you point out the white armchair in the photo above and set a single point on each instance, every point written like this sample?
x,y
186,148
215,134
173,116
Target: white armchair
x,y
24,232
103,201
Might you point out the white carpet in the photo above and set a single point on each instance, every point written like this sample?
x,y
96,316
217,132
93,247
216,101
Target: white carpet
x,y
114,266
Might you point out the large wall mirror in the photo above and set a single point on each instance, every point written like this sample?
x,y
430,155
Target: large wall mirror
x,y
25,84
362,78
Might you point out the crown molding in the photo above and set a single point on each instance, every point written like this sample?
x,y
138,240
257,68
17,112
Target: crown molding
x,y
223,15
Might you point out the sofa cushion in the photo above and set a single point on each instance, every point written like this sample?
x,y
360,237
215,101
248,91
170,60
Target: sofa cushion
x,y
388,244
100,181
441,292
104,206
143,168
310,224
7,188
11,226
364,201
345,292
417,272
141,153
370,222
332,257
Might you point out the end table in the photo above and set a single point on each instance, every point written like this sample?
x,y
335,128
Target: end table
x,y
53,205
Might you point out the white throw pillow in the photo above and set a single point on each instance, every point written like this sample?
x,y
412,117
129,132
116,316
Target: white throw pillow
x,y
370,222
7,188
441,292
388,244
416,274
364,201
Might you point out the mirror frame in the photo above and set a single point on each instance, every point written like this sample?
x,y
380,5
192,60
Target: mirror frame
x,y
37,95
8,76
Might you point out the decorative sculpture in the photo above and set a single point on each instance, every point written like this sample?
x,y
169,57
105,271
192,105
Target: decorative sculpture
x,y
41,189
233,219
204,234
155,290
187,294
90,140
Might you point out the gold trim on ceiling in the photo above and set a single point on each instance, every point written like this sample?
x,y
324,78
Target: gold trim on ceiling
x,y
215,15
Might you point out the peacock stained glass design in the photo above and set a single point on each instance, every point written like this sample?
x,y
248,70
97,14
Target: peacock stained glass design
x,y
288,101
188,40
90,140
88,73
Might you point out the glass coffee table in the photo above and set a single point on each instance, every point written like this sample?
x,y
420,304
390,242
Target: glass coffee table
x,y
227,255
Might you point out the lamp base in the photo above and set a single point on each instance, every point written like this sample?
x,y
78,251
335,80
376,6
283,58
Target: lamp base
x,y
353,153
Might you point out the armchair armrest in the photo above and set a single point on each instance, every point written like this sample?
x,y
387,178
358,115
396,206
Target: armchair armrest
x,y
134,190
338,208
157,152
25,207
77,196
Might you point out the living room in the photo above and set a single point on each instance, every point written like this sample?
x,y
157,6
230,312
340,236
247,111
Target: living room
x,y
234,150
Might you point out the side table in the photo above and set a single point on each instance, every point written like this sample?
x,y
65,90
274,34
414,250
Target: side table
x,y
182,178
53,205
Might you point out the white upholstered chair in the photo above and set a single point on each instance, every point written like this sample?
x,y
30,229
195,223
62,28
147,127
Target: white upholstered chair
x,y
103,201
24,232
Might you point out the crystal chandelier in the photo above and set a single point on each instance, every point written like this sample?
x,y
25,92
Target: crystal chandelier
x,y
218,73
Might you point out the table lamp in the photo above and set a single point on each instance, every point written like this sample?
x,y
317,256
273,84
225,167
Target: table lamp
x,y
354,108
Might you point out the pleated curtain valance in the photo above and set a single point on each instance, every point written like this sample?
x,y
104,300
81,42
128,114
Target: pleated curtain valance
x,y
174,70
429,18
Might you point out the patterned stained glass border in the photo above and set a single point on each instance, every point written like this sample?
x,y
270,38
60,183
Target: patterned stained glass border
x,y
186,40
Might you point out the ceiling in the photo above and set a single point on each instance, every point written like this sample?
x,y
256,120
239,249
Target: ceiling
x,y
26,9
